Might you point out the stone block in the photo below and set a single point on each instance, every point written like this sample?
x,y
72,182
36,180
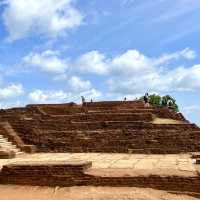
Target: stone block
x,y
7,154
198,161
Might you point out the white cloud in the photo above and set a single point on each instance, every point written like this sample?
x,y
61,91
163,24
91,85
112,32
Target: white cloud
x,y
134,72
79,85
92,94
125,74
180,79
11,91
60,96
47,61
130,62
39,96
92,62
5,105
42,17
186,53
76,87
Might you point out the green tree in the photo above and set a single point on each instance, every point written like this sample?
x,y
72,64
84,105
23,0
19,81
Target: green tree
x,y
159,101
173,105
155,100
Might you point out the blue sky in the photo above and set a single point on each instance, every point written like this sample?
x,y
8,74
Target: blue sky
x,y
54,51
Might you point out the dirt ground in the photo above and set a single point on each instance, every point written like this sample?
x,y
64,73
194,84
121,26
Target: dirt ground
x,y
13,192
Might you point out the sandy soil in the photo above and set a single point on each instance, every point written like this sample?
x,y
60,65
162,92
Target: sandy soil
x,y
12,192
166,121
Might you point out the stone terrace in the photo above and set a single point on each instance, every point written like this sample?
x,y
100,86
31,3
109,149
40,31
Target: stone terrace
x,y
169,164
177,172
101,144
107,127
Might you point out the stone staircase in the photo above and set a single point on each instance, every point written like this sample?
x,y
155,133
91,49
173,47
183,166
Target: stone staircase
x,y
5,145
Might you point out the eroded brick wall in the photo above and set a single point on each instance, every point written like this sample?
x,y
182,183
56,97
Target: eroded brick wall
x,y
102,127
76,175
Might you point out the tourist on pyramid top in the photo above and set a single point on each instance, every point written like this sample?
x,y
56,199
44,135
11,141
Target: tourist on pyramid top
x,y
169,103
146,100
83,99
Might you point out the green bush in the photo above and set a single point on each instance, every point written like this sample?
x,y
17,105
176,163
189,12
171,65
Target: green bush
x,y
159,101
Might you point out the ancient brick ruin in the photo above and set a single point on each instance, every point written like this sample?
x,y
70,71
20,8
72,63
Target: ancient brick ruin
x,y
97,127
109,127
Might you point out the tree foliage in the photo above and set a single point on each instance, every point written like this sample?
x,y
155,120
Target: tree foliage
x,y
162,101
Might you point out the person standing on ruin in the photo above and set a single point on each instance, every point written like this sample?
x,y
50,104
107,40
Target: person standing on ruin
x,y
169,103
83,99
146,100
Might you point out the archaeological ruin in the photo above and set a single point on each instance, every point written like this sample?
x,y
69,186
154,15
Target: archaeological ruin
x,y
108,143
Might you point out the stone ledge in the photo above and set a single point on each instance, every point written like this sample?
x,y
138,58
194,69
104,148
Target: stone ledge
x,y
198,161
7,154
85,164
195,155
29,148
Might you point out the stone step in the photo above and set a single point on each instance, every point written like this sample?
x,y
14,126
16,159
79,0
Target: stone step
x,y
3,139
6,145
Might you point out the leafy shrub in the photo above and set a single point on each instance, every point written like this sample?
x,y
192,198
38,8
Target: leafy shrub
x,y
162,101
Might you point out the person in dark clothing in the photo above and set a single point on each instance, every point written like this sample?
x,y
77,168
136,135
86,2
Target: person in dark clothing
x,y
146,100
170,104
83,99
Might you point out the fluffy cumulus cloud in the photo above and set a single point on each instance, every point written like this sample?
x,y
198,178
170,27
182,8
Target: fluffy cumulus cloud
x,y
78,85
125,74
61,96
11,91
92,62
39,96
47,61
133,72
129,63
43,17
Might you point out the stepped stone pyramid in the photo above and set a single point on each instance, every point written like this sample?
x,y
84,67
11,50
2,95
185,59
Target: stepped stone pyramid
x,y
108,143
110,127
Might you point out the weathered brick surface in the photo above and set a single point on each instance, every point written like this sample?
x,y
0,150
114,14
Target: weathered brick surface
x,y
126,127
167,113
62,174
38,173
7,154
122,141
